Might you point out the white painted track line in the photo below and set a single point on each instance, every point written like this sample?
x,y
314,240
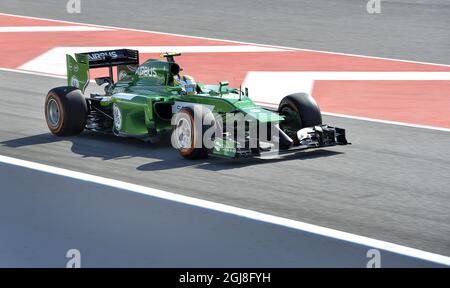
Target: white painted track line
x,y
15,29
387,122
344,236
224,40
32,73
54,60
295,76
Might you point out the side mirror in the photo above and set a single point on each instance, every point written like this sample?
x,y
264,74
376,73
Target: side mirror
x,y
103,80
222,84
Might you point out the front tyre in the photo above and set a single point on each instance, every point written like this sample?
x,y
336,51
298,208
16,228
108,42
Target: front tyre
x,y
65,111
300,110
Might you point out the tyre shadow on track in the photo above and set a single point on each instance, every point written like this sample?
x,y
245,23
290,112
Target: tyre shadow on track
x,y
97,145
164,157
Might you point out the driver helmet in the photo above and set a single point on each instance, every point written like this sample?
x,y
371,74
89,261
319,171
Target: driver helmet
x,y
187,83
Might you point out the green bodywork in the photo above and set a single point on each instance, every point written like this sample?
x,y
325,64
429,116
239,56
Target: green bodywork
x,y
77,72
143,91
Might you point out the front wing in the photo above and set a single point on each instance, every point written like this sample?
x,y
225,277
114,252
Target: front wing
x,y
308,138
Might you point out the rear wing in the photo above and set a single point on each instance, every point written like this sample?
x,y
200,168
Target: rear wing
x,y
78,67
109,58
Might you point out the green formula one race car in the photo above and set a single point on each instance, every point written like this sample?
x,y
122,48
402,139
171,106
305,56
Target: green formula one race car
x,y
151,99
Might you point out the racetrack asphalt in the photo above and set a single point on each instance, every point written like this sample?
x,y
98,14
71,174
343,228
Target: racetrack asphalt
x,y
392,184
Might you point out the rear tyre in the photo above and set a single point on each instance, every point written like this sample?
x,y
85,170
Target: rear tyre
x,y
65,111
300,110
187,136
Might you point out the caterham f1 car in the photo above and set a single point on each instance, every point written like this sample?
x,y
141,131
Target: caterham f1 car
x,y
151,99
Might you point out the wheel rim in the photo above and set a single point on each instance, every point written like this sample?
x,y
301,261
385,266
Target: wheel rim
x,y
117,116
53,113
184,133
